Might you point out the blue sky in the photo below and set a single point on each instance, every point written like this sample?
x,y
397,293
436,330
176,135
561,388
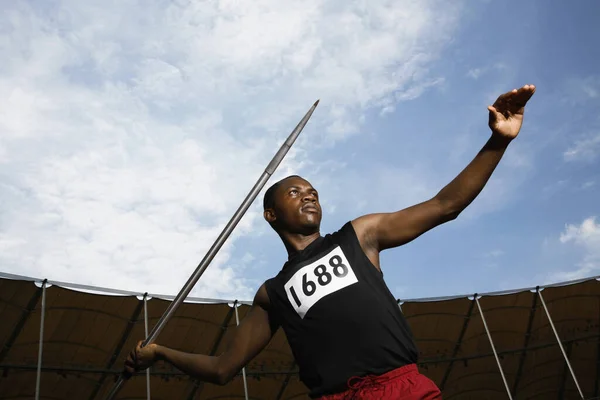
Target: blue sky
x,y
130,133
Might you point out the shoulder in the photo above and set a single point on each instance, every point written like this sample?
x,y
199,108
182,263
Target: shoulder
x,y
264,305
364,233
261,298
356,232
363,228
347,231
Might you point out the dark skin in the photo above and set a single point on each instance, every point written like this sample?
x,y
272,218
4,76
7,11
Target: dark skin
x,y
296,217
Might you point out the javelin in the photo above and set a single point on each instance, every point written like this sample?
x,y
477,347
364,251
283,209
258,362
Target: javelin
x,y
212,252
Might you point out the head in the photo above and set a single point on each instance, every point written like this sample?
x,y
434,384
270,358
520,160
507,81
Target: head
x,y
292,205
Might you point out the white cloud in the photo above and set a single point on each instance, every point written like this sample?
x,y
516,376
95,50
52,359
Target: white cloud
x,y
586,237
586,233
476,73
584,149
403,186
591,91
581,90
130,131
589,86
588,184
491,259
3,154
494,253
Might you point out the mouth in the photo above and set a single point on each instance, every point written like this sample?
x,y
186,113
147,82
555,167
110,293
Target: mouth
x,y
310,208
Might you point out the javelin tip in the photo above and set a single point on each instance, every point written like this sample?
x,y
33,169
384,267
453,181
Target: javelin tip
x,y
316,102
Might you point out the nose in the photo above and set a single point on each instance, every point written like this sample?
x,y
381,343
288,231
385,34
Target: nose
x,y
309,197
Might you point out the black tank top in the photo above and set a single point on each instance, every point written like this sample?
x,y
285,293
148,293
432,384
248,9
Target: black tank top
x,y
338,314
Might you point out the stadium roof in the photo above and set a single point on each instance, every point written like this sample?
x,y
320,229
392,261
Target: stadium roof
x,y
89,331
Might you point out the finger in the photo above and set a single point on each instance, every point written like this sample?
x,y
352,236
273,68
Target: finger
x,y
523,95
529,87
503,98
529,90
129,370
494,112
526,89
494,116
129,359
134,356
128,373
504,101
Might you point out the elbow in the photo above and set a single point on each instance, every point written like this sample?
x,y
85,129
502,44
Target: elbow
x,y
452,215
449,211
224,374
221,380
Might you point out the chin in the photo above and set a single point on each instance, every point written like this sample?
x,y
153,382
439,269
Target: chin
x,y
312,226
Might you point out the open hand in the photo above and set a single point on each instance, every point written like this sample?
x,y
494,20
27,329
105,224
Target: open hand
x,y
140,358
506,115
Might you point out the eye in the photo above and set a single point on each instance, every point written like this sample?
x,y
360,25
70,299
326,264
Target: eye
x,y
293,192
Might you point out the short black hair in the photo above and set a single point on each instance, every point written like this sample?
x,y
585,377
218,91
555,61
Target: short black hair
x,y
269,199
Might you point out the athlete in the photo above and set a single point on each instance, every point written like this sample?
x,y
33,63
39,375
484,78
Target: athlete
x,y
345,329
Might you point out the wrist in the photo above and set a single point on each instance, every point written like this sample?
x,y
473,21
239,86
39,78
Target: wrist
x,y
499,140
159,353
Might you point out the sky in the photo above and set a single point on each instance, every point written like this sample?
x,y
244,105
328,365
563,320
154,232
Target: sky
x,y
130,132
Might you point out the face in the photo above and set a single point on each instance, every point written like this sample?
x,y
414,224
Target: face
x,y
297,207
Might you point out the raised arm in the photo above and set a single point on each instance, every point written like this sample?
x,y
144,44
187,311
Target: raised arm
x,y
377,232
250,337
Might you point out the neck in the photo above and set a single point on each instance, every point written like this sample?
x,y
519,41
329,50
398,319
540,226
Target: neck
x,y
296,242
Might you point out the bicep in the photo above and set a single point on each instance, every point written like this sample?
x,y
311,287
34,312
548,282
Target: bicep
x,y
387,230
250,338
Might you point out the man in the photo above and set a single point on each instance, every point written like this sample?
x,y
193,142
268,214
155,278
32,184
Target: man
x,y
345,329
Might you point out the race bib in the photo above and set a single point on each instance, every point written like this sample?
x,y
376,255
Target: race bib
x,y
314,281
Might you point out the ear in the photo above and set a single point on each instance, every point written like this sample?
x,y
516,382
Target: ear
x,y
269,215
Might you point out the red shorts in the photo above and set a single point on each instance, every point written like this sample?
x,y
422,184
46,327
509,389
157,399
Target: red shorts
x,y
404,383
